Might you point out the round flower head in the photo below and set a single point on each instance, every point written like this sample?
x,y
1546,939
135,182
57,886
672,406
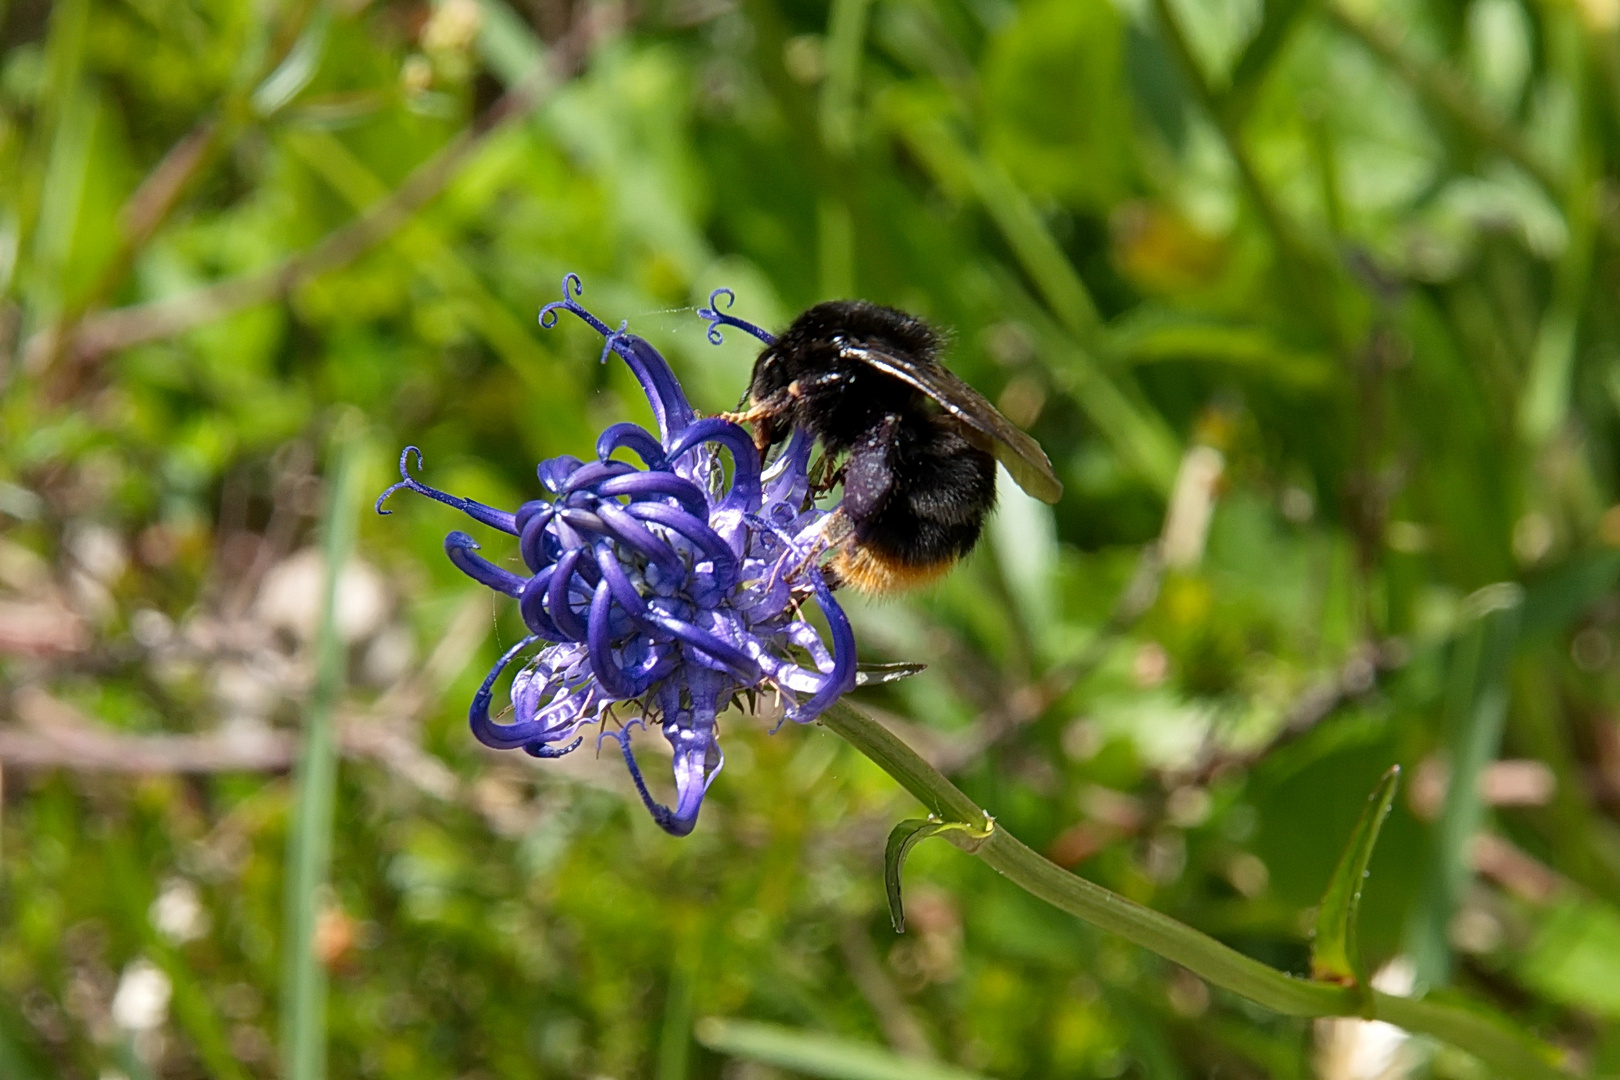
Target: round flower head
x,y
657,593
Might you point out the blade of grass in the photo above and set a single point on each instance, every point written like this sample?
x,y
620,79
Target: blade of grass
x,y
675,1035
297,68
1276,27
835,222
1132,427
1476,709
510,337
1312,276
64,61
309,853
1545,404
846,34
814,1054
62,200
507,44
959,170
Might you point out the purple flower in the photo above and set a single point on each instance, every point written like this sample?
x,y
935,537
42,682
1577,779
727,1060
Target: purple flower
x,y
660,593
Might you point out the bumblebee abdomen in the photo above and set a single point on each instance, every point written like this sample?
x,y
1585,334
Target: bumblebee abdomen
x,y
941,490
878,573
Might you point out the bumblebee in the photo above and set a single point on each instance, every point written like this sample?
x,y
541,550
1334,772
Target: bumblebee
x,y
920,445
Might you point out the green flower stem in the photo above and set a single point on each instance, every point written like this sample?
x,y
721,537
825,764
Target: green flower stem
x,y
1510,1053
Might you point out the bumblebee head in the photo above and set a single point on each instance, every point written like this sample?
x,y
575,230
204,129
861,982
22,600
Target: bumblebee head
x,y
771,375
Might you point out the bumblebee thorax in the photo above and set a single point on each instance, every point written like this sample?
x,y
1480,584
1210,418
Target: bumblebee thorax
x,y
824,388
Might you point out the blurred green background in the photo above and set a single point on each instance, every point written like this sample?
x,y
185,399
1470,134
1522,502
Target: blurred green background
x,y
1310,301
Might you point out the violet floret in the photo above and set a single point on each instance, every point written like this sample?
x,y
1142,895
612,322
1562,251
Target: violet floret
x,y
657,594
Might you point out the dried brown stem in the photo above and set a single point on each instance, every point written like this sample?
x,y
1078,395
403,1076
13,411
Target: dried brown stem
x,y
900,1025
54,733
56,736
50,733
159,193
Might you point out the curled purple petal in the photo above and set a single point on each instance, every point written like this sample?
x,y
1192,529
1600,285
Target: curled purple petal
x,y
533,541
611,520
678,822
669,405
716,318
624,590
557,605
695,530
532,607
502,736
786,482
651,370
541,750
529,511
488,515
648,484
841,679
612,678
554,472
635,438
460,547
722,652
744,454
594,474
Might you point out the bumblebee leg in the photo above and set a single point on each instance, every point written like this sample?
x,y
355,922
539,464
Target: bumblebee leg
x,y
823,476
751,415
868,480
836,531
761,416
824,479
757,410
868,472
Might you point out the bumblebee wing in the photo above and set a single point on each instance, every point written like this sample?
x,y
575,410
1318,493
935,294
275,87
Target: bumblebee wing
x,y
1022,455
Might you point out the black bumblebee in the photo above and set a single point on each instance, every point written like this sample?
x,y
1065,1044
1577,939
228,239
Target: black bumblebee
x,y
922,445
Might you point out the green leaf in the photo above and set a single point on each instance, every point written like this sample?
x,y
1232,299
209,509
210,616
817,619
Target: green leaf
x,y
1057,115
907,835
817,1055
16,1059
1335,956
1574,956
1476,711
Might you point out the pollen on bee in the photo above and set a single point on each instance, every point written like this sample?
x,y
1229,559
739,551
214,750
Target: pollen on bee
x,y
878,575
